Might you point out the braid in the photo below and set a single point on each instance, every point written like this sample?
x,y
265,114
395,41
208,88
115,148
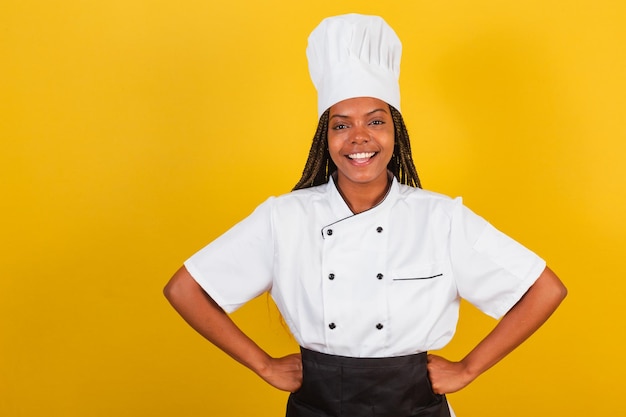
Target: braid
x,y
319,166
401,164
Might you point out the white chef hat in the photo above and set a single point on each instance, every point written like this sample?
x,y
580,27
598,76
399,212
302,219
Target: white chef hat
x,y
354,55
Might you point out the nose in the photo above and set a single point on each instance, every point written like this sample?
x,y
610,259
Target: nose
x,y
360,135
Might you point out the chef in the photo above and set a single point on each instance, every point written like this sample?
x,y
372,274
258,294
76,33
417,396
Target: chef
x,y
366,268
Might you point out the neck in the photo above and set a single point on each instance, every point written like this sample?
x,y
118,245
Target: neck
x,y
362,197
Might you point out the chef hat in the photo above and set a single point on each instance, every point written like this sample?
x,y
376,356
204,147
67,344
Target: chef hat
x,y
354,55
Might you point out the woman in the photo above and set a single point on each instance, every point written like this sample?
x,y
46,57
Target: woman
x,y
366,268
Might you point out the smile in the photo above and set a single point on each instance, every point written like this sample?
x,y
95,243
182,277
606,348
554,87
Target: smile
x,y
361,156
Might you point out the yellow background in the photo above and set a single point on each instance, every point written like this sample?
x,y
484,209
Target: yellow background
x,y
133,132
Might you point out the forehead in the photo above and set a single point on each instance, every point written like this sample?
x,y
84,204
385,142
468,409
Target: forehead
x,y
358,106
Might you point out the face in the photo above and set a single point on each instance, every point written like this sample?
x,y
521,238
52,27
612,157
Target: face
x,y
361,140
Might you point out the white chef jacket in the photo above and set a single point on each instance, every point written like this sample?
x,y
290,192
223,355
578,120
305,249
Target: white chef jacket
x,y
385,282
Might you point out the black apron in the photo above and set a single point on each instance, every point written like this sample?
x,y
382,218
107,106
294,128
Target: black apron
x,y
339,386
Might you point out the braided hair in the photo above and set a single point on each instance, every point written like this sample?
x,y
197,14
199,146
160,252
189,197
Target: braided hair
x,y
319,165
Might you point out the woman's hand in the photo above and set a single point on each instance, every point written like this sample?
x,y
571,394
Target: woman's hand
x,y
284,373
447,376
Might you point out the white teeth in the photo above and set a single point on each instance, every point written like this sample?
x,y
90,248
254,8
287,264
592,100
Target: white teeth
x,y
361,155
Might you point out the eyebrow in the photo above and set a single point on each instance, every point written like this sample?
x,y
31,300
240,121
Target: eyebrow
x,y
366,114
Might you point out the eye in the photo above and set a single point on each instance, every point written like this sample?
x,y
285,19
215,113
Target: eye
x,y
340,126
377,122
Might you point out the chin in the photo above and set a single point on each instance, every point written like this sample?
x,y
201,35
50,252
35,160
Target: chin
x,y
364,179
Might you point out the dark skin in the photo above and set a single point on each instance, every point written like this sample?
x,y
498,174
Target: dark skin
x,y
360,139
208,319
360,142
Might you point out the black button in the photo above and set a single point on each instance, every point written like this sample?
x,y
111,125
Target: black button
x,y
379,326
329,232
379,276
332,326
379,229
331,276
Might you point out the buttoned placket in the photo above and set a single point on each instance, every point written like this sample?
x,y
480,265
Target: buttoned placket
x,y
354,281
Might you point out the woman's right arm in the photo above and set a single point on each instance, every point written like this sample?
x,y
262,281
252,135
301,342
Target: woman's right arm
x,y
202,313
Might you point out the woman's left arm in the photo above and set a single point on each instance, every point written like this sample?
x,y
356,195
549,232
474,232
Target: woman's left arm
x,y
530,312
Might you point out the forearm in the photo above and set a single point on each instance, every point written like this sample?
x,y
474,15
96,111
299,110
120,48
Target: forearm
x,y
530,312
203,314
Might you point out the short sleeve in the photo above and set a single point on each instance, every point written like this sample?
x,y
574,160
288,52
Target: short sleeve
x,y
238,265
491,270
